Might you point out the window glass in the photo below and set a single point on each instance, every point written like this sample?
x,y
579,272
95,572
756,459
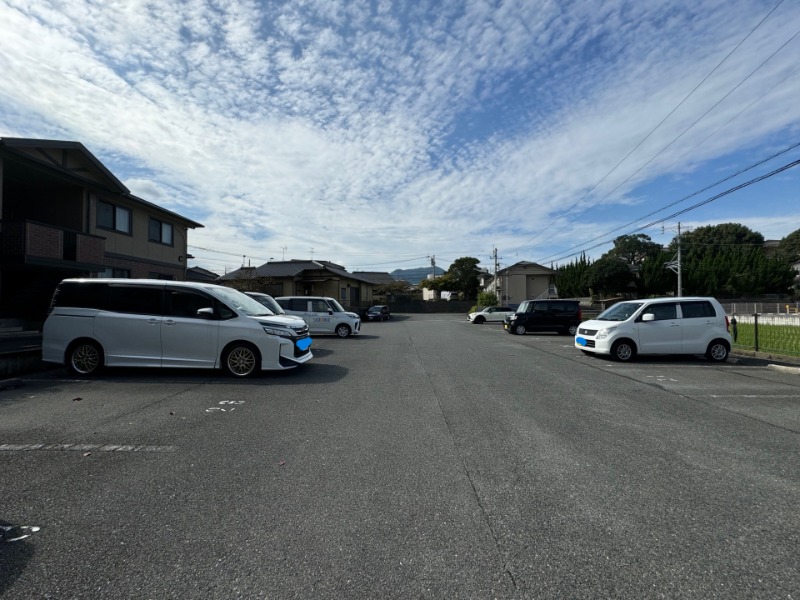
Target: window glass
x,y
105,215
319,306
298,304
158,231
113,217
619,312
186,304
663,312
81,295
541,306
136,299
696,310
122,219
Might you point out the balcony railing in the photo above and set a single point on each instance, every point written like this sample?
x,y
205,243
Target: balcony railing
x,y
31,242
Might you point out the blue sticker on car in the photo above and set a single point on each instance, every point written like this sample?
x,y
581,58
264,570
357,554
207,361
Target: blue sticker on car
x,y
580,341
304,344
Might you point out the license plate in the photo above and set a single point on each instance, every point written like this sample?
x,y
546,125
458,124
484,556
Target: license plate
x,y
580,341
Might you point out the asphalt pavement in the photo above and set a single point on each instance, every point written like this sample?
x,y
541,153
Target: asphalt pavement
x,y
424,458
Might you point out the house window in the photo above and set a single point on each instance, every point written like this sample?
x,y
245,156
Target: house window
x,y
160,232
115,273
116,218
156,275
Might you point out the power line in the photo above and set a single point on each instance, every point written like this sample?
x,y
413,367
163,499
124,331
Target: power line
x,y
624,158
700,191
690,208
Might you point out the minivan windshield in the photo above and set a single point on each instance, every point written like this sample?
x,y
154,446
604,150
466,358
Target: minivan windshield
x,y
620,312
269,302
242,302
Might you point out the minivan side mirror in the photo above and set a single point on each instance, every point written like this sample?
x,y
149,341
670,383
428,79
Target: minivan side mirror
x,y
205,313
648,317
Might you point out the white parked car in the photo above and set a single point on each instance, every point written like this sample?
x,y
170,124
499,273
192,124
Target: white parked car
x,y
490,313
158,323
658,326
323,314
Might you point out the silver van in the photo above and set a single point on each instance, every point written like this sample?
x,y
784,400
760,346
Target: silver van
x,y
322,314
658,326
157,323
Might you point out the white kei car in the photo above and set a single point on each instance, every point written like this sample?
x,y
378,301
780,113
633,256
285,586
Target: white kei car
x,y
490,313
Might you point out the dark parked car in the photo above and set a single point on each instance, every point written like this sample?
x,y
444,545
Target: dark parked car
x,y
561,316
377,313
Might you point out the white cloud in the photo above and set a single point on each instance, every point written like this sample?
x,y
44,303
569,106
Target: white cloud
x,y
352,127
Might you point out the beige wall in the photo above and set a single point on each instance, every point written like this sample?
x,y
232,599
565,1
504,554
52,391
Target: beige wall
x,y
137,245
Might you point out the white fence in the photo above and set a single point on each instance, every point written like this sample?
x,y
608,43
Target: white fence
x,y
768,318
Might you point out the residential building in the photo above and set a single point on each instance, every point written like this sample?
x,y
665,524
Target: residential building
x,y
304,278
522,281
64,214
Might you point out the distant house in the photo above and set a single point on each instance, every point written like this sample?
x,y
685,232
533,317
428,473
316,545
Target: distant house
x,y
200,274
304,278
522,281
64,214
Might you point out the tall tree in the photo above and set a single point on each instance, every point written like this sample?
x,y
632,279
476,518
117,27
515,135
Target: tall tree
x,y
464,275
571,279
789,247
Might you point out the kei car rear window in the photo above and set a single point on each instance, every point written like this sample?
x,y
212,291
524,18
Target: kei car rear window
x,y
697,309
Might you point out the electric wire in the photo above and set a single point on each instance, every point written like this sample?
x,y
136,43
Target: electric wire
x,y
690,208
615,167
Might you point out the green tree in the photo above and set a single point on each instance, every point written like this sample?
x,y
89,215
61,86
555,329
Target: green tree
x,y
609,275
487,299
571,280
789,247
464,276
634,249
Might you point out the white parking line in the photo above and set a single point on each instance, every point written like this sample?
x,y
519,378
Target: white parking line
x,y
85,448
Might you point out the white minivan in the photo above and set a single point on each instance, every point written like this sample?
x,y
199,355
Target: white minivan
x,y
323,314
157,323
658,326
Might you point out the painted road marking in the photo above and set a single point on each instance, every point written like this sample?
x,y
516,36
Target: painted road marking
x,y
85,448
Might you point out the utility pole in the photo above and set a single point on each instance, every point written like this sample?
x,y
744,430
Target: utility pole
x,y
675,264
496,280
433,265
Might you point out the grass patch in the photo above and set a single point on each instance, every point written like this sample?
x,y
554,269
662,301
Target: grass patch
x,y
779,339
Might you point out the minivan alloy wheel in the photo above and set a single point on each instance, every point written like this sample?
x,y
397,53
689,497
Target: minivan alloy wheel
x,y
85,358
241,360
342,330
519,329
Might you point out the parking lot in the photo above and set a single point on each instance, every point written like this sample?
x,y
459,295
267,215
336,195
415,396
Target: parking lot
x,y
426,457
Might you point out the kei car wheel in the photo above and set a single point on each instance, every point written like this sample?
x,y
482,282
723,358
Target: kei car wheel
x,y
342,330
85,358
573,329
519,329
717,351
623,351
241,360
479,320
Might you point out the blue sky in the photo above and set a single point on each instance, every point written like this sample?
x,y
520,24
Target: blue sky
x,y
376,134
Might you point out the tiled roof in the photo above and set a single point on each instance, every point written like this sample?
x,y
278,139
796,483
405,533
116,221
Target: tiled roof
x,y
293,268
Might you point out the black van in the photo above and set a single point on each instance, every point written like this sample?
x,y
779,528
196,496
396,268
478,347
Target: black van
x,y
561,316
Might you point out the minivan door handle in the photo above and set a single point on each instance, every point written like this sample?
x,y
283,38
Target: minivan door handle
x,y
153,321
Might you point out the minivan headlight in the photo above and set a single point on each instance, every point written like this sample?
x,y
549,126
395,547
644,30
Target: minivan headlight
x,y
604,333
279,331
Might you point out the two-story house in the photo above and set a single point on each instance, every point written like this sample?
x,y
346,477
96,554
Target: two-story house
x,y
64,214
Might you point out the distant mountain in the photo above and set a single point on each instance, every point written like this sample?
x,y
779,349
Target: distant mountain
x,y
414,276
